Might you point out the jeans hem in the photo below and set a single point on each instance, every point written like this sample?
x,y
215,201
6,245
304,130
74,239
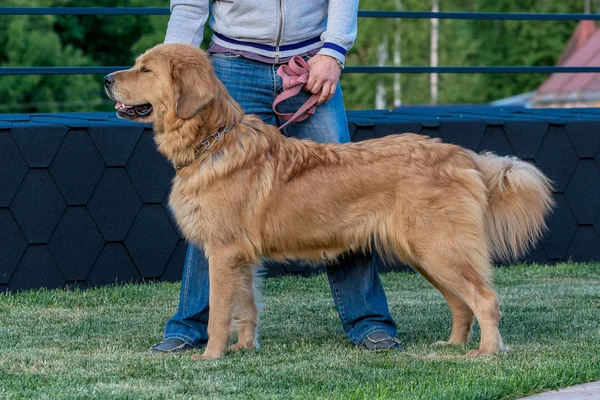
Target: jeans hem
x,y
188,340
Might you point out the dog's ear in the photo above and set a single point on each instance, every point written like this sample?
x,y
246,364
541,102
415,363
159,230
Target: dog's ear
x,y
194,88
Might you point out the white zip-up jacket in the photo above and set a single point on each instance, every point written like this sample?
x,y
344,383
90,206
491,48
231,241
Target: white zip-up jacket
x,y
270,28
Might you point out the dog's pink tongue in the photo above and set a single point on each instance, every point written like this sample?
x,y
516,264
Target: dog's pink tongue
x,y
121,105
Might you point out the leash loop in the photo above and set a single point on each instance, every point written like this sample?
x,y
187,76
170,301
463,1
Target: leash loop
x,y
294,76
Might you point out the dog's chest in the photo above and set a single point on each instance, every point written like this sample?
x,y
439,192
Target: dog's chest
x,y
203,210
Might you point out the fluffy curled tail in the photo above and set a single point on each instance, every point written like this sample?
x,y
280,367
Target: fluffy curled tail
x,y
519,199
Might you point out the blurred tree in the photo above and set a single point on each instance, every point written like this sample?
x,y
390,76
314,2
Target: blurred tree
x,y
32,41
67,40
461,43
514,43
117,40
113,39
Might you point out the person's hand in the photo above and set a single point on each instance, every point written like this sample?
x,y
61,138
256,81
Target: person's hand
x,y
324,76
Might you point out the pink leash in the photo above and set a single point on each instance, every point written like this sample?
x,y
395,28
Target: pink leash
x,y
294,76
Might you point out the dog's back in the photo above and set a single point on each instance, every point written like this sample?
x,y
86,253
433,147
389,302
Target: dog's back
x,y
445,210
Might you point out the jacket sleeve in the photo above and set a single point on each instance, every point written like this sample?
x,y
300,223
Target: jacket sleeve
x,y
186,24
339,36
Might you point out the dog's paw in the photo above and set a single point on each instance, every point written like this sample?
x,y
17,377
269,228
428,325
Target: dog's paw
x,y
477,352
206,356
448,343
240,346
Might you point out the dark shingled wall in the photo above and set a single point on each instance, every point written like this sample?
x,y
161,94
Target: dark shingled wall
x,y
83,196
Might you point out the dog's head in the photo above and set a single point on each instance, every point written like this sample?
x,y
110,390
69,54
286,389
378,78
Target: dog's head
x,y
167,79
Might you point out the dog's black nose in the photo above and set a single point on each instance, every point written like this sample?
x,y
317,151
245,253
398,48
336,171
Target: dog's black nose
x,y
108,80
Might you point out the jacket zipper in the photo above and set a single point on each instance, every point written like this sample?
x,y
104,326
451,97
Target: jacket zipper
x,y
280,33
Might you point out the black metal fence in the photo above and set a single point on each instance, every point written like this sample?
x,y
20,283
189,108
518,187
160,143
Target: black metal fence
x,y
350,69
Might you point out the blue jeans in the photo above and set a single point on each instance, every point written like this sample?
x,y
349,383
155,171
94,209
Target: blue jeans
x,y
355,284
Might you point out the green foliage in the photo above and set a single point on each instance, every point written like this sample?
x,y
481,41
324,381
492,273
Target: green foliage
x,y
117,40
359,89
461,43
514,43
29,41
36,41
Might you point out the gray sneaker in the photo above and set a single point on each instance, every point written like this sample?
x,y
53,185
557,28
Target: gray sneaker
x,y
170,346
381,340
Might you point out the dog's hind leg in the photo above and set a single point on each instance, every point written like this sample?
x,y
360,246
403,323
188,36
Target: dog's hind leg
x,y
462,319
467,281
484,303
462,315
246,313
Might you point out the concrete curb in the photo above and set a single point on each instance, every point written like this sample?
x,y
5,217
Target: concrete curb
x,y
587,391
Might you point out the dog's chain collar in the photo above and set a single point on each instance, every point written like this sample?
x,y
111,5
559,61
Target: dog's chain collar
x,y
206,144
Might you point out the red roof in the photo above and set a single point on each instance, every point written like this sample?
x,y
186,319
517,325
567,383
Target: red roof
x,y
582,50
582,33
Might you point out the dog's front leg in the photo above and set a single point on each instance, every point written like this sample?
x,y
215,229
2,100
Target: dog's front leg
x,y
221,270
245,308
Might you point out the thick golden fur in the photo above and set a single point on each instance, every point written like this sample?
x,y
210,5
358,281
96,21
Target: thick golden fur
x,y
441,208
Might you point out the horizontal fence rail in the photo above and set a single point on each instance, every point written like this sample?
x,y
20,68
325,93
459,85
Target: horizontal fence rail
x,y
349,70
84,11
469,70
361,13
58,70
116,11
479,15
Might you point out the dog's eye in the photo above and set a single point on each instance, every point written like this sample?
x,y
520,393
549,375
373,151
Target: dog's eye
x,y
144,69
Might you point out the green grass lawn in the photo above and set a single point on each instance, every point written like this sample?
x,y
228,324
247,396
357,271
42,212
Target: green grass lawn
x,y
82,344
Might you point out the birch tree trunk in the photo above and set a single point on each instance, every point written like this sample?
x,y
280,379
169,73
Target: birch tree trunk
x,y
382,58
398,56
435,29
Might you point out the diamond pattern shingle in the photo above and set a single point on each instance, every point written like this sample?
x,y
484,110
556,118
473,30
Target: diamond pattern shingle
x,y
562,225
37,206
525,136
556,157
583,192
76,243
115,141
150,172
36,269
13,168
114,204
38,142
494,139
151,240
462,131
113,266
77,167
12,245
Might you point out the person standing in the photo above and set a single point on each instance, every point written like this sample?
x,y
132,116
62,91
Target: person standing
x,y
251,39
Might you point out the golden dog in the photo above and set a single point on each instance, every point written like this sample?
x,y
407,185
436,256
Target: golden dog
x,y
243,192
